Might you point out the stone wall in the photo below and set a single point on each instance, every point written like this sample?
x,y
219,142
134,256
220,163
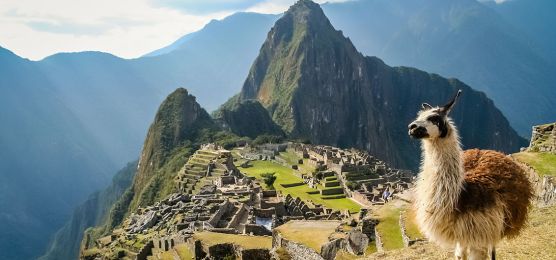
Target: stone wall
x,y
296,251
145,251
224,207
223,250
238,217
544,188
254,254
543,138
378,241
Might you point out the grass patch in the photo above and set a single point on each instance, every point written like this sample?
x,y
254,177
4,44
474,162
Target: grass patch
x,y
411,228
371,248
389,228
247,242
343,255
290,157
184,252
312,234
166,255
543,163
285,176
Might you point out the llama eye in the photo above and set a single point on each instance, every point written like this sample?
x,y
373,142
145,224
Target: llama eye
x,y
434,119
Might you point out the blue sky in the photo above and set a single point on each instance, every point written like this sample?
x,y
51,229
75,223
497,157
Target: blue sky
x,y
126,28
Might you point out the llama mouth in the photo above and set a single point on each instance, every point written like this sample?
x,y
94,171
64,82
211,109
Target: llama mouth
x,y
418,133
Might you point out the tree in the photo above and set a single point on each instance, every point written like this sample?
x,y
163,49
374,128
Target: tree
x,y
269,179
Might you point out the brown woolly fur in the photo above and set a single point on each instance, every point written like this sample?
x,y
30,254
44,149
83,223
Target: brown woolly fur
x,y
491,176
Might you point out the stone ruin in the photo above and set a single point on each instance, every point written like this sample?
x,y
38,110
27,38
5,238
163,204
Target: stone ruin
x,y
543,138
213,195
353,241
262,152
363,177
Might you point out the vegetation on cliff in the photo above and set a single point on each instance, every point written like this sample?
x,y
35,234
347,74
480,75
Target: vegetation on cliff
x,y
248,118
180,126
317,86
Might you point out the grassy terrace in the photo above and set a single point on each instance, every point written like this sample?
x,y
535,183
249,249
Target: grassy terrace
x,y
246,242
312,234
184,252
292,158
543,163
285,176
389,228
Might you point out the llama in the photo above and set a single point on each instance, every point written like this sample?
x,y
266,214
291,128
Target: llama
x,y
467,200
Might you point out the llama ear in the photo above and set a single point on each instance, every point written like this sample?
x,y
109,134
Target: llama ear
x,y
448,107
425,106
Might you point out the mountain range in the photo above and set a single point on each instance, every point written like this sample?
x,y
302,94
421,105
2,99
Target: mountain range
x,y
73,119
308,82
316,86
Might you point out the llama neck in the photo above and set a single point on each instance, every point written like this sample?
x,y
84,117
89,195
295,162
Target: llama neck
x,y
442,173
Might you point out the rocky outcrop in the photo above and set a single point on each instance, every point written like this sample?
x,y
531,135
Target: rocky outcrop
x,y
317,86
543,138
357,242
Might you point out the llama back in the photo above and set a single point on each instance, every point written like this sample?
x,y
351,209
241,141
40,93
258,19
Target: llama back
x,y
492,176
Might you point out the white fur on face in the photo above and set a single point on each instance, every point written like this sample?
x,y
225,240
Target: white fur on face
x,y
421,121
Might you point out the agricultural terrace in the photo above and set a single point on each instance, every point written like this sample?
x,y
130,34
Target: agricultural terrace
x,y
286,175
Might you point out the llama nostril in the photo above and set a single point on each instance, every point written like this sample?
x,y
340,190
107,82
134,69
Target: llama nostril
x,y
411,126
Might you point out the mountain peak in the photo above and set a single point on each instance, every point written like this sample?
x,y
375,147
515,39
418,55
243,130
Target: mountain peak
x,y
317,86
308,13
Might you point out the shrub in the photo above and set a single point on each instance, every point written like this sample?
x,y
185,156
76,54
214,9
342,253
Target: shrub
x,y
264,139
319,175
269,179
353,185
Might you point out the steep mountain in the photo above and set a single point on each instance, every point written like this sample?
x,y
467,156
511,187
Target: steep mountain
x,y
467,40
179,127
316,85
49,161
180,120
66,242
248,118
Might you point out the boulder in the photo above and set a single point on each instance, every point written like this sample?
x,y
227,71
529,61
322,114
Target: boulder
x,y
357,242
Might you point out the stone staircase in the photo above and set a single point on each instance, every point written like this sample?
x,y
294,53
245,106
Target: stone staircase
x,y
191,176
202,168
331,188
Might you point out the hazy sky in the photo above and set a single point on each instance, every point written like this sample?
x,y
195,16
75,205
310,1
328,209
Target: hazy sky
x,y
35,29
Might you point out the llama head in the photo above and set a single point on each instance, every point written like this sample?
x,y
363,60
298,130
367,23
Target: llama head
x,y
433,122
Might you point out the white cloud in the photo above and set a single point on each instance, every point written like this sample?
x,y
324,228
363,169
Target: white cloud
x,y
127,28
206,6
35,29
